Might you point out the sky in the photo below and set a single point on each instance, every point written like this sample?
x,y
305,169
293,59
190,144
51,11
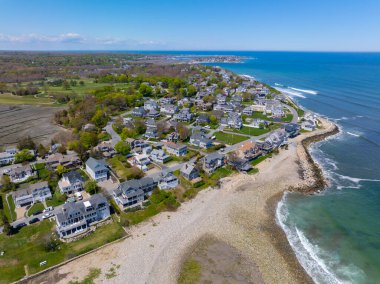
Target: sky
x,y
286,25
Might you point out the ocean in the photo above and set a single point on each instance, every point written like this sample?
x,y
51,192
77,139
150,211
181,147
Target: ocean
x,y
335,234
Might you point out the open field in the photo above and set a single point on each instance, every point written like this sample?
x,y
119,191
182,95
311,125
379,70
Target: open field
x,y
20,121
229,138
9,99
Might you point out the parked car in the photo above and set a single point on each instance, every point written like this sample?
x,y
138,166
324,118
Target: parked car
x,y
47,215
48,209
34,220
37,213
78,196
20,225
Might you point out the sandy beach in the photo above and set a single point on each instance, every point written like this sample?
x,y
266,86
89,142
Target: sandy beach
x,y
240,214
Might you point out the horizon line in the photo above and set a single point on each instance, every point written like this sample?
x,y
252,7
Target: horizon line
x,y
184,50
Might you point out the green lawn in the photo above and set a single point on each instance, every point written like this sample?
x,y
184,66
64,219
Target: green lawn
x,y
160,200
229,138
58,199
257,114
37,207
122,168
27,247
258,160
10,213
221,173
9,99
288,118
252,131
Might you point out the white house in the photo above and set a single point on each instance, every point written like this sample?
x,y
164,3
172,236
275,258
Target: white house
x,y
71,182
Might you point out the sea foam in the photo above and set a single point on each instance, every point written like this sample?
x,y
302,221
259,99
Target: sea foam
x,y
311,92
291,92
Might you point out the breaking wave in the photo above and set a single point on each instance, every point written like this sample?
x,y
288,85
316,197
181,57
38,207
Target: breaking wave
x,y
291,92
317,263
311,92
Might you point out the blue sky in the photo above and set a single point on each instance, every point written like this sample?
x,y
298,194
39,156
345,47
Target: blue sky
x,y
307,25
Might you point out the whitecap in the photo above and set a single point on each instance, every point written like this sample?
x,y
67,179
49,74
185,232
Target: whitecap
x,y
311,92
356,180
290,92
353,134
278,84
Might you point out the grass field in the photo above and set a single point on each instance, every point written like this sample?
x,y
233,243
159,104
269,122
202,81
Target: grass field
x,y
259,160
9,210
27,247
252,131
229,138
37,207
9,99
288,117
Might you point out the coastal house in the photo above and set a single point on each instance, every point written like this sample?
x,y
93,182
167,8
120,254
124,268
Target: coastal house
x,y
259,123
106,148
292,129
242,165
37,192
248,150
69,161
138,111
20,173
150,105
153,114
71,182
203,119
276,139
201,140
221,99
308,125
248,110
167,181
139,146
76,218
97,169
189,171
184,115
8,156
169,109
173,137
133,191
151,132
151,123
141,161
176,149
159,156
212,162
233,121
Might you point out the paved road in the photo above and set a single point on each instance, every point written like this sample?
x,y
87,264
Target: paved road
x,y
39,216
294,113
114,136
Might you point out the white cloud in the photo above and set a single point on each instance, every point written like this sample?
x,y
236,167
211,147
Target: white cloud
x,y
37,38
73,40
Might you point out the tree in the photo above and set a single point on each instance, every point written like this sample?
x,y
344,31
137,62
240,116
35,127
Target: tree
x,y
88,139
8,185
183,131
100,118
91,187
145,90
62,149
41,150
213,120
23,155
61,170
122,148
26,143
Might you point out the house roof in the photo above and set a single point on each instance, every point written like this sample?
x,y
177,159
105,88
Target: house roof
x,y
188,168
73,177
96,164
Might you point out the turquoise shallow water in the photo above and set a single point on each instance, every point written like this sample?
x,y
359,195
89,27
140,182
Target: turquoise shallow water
x,y
335,234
